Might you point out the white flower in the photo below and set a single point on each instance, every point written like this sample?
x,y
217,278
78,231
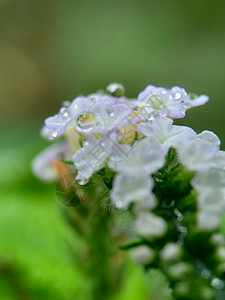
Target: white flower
x,y
65,119
92,156
207,221
144,157
167,134
138,189
210,137
218,159
67,116
170,252
212,200
102,118
213,178
42,165
199,153
218,239
148,225
163,101
210,186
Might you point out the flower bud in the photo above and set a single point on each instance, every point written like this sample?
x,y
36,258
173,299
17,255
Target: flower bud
x,y
116,89
142,254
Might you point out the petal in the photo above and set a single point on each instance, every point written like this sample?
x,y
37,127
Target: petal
x,y
197,101
209,136
197,154
107,117
166,133
91,157
219,159
148,225
42,164
144,157
212,200
207,221
213,178
57,124
132,189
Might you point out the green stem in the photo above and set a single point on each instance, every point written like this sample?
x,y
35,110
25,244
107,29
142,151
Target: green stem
x,y
100,258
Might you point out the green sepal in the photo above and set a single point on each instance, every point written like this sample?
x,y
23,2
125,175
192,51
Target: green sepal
x,y
131,244
68,162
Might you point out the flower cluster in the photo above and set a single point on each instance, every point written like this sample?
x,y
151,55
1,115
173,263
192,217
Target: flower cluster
x,y
169,177
133,137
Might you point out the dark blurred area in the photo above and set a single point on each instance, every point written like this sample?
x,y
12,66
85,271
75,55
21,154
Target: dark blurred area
x,y
51,51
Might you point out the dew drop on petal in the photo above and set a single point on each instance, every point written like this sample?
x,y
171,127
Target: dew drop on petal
x,y
110,111
54,134
87,121
63,111
182,229
156,102
177,95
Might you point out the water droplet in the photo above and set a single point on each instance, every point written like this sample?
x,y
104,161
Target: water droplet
x,y
54,134
172,203
205,273
156,102
63,111
82,181
87,121
182,229
217,283
179,215
110,111
177,95
119,204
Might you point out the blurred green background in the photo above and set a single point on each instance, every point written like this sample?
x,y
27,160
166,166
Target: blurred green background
x,y
51,51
